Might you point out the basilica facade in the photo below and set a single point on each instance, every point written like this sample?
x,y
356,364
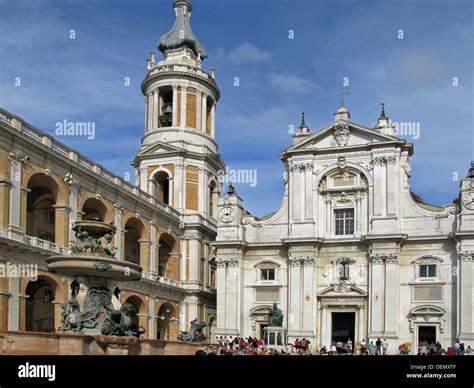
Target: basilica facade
x,y
164,221
352,252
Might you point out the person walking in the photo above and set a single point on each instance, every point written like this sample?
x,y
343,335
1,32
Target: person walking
x,y
385,346
363,345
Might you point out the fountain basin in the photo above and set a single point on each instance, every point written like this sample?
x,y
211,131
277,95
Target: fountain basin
x,y
97,266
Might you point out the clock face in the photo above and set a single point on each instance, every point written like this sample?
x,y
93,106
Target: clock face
x,y
227,214
468,200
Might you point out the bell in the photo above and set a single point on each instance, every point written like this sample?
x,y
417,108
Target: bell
x,y
168,109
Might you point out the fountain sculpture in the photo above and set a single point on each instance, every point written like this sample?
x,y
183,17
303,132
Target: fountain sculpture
x,y
96,271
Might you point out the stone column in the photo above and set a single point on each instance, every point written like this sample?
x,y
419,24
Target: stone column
x,y
61,219
182,264
155,108
202,190
73,214
194,259
361,326
392,186
23,210
143,179
309,191
150,111
233,296
213,120
392,284
15,227
308,295
379,186
5,188
204,113
179,185
14,304
465,312
198,110
151,322
376,295
146,113
175,106
119,254
327,200
184,95
122,245
294,298
145,254
324,341
221,296
359,197
154,248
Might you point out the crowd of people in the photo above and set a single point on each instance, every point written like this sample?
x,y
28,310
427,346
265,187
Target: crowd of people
x,y
436,349
252,346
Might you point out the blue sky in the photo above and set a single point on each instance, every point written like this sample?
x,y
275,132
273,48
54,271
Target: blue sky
x,y
83,79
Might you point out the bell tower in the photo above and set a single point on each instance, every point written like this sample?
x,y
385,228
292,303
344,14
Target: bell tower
x,y
178,162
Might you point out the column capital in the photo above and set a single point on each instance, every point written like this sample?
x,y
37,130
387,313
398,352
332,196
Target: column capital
x,y
466,256
19,156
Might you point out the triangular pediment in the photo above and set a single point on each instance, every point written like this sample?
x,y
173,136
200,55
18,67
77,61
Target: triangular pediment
x,y
342,289
349,135
158,148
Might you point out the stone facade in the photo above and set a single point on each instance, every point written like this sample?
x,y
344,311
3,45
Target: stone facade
x,y
349,238
164,220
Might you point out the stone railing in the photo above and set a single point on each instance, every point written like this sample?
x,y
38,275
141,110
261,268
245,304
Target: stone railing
x,y
38,242
95,168
44,244
167,281
160,279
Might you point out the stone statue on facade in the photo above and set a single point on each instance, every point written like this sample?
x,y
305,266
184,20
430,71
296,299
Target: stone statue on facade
x,y
275,317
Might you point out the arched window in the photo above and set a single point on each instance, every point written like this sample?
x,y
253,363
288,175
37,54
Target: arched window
x,y
166,246
93,210
162,187
133,229
41,198
166,319
39,306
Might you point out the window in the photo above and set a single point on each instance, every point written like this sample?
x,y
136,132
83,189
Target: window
x,y
344,272
267,274
344,221
427,270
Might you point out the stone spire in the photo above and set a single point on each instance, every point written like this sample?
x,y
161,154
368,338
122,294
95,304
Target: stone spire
x,y
383,124
303,130
181,34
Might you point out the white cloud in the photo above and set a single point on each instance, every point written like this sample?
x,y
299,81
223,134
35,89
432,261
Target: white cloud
x,y
292,83
244,54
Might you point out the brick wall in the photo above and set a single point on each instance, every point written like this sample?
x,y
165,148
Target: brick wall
x,y
191,108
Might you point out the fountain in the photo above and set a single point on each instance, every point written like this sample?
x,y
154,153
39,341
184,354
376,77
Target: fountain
x,y
96,272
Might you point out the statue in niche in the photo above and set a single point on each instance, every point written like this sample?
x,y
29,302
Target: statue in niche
x,y
275,316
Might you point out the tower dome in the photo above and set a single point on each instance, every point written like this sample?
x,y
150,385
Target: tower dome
x,y
181,34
